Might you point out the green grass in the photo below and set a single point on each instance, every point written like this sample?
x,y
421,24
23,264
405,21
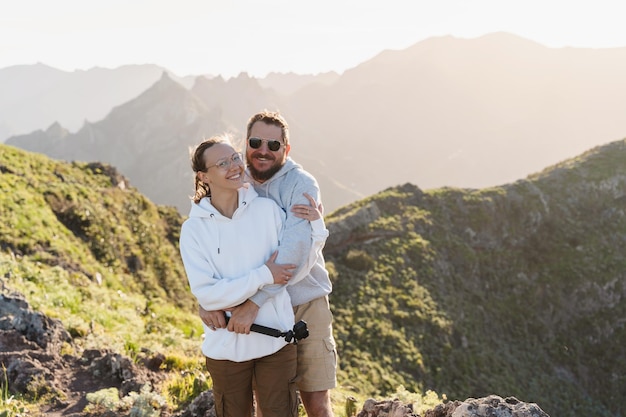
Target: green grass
x,y
10,405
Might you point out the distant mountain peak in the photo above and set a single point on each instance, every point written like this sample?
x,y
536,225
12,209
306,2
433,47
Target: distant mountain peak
x,y
56,131
165,85
165,76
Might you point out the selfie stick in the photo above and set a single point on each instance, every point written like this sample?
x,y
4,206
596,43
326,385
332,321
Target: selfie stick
x,y
299,331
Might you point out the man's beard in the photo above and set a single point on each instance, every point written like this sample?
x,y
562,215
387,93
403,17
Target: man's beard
x,y
262,176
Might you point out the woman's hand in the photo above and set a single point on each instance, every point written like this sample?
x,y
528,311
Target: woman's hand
x,y
213,319
311,212
281,272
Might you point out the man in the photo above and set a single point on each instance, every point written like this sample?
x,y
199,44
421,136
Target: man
x,y
276,176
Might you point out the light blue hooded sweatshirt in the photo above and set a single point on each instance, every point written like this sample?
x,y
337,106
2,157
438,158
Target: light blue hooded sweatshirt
x,y
286,188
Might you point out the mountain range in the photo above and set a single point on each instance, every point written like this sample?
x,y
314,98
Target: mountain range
x,y
446,111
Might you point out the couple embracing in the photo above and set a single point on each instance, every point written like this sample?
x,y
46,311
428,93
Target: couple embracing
x,y
252,251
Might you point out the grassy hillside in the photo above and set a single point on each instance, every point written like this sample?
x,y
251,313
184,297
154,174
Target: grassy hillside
x,y
87,219
85,247
514,290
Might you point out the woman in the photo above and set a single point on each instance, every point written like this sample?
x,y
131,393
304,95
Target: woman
x,y
228,246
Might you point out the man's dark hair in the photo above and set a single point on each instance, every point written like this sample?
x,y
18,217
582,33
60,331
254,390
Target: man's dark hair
x,y
271,118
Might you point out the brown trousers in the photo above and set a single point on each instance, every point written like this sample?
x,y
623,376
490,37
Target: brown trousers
x,y
275,377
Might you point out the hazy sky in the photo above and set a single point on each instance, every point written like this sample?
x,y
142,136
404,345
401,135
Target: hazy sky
x,y
227,37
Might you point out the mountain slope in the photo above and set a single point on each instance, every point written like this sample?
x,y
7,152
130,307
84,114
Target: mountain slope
x,y
464,112
515,290
87,219
93,294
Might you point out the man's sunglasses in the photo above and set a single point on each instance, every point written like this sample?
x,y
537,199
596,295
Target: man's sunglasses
x,y
272,145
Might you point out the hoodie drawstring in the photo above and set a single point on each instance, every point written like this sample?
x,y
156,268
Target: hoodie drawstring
x,y
217,226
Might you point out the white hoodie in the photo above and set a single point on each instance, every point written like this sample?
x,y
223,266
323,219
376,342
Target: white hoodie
x,y
225,264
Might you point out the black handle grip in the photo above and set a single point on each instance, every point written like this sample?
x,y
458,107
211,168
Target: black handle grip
x,y
257,328
300,331
266,330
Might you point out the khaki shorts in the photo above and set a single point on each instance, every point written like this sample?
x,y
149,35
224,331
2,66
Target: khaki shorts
x,y
317,354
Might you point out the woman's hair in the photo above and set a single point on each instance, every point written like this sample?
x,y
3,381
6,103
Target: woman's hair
x,y
198,164
271,118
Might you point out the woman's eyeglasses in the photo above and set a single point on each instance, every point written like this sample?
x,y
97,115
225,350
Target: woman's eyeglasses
x,y
225,163
272,145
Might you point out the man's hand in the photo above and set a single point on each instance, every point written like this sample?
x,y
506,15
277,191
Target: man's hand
x,y
311,212
242,317
280,272
214,319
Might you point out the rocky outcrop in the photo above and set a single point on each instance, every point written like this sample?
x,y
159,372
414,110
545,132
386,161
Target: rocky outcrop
x,y
28,344
202,406
491,406
387,408
31,356
15,315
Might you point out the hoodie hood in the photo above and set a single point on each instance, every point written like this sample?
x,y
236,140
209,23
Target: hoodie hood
x,y
270,188
287,166
204,209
